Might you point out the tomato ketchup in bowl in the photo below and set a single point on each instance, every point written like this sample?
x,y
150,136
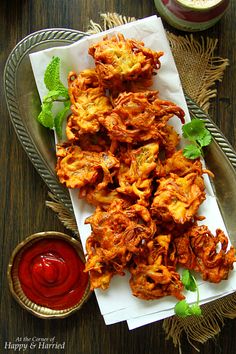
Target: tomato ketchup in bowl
x,y
46,275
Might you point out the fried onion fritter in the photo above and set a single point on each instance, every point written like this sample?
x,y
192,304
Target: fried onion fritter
x,y
116,237
102,198
153,275
97,142
77,168
88,102
134,174
139,116
150,282
178,198
198,249
122,153
170,140
178,164
118,59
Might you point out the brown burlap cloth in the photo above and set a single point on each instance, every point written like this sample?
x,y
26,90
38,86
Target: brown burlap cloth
x,y
199,70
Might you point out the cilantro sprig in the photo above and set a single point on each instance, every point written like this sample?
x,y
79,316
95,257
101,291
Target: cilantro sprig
x,y
196,132
182,308
57,92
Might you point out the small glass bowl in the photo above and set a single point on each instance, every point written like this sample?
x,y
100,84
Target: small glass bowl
x,y
187,16
15,285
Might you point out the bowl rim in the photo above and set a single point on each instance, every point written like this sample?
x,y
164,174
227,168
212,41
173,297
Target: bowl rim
x,y
14,283
200,7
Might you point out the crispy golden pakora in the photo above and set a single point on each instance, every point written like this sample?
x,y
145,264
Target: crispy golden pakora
x,y
118,60
178,164
122,155
139,116
198,249
102,198
77,168
134,174
88,102
97,142
153,274
169,141
116,236
150,282
178,198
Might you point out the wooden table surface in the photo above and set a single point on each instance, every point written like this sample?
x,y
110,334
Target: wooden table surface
x,y
23,193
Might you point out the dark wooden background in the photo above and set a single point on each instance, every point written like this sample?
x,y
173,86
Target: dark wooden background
x,y
23,193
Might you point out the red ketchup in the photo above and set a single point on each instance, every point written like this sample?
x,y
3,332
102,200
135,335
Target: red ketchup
x,y
51,274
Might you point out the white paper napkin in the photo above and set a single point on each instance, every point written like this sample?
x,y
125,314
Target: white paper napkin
x,y
117,303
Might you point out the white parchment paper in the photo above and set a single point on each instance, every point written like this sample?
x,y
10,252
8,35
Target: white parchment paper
x,y
117,303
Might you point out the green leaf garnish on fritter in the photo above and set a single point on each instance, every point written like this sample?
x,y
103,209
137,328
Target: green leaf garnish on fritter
x,y
196,132
182,308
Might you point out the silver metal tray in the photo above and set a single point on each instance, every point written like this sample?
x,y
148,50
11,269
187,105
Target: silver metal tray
x,y
24,106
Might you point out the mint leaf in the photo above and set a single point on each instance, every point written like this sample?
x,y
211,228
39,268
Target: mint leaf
x,y
58,120
45,117
192,151
56,95
52,75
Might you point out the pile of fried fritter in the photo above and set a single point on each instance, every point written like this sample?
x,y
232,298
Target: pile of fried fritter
x,y
122,155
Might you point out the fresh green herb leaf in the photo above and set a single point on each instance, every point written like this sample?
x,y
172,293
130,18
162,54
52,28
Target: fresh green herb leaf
x,y
196,310
57,93
58,120
192,151
45,117
188,280
182,308
193,129
195,132
205,138
52,75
